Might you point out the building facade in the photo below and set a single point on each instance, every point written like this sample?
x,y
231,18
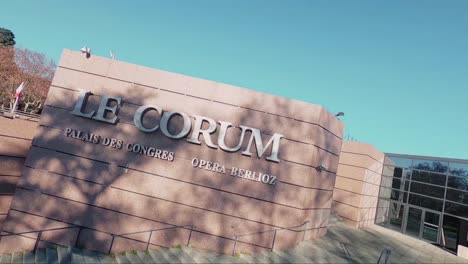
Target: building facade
x,y
122,149
124,155
427,198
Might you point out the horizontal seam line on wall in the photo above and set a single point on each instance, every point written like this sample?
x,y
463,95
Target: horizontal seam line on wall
x,y
10,175
161,176
49,127
338,175
264,133
357,207
129,238
356,192
347,218
15,137
362,154
141,217
10,156
360,167
158,88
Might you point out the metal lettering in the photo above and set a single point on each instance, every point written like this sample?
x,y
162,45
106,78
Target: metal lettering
x,y
140,113
81,104
104,109
166,117
257,137
206,133
222,137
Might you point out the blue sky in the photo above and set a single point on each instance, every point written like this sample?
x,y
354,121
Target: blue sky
x,y
398,69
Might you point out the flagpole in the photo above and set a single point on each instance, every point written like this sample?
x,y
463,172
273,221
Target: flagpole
x,y
13,109
18,95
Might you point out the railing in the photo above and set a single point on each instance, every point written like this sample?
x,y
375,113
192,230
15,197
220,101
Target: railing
x,y
38,238
189,227
236,237
19,112
385,254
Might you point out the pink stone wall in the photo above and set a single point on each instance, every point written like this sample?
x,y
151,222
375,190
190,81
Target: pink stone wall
x,y
15,141
355,197
67,182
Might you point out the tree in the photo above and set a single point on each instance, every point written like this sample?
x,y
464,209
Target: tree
x,y
33,68
7,38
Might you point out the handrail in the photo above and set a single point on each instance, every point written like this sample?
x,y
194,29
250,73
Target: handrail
x,y
139,232
36,231
385,254
191,227
38,239
236,237
8,110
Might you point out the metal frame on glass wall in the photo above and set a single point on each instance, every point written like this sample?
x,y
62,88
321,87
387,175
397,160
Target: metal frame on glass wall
x,y
406,199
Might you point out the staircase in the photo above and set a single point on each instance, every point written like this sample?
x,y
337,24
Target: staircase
x,y
171,255
341,244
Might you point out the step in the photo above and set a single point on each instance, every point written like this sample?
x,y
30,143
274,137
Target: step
x,y
90,256
51,255
133,257
169,256
292,258
181,255
220,258
29,258
260,258
17,258
247,258
6,259
274,257
40,256
122,259
157,257
196,255
105,259
145,257
76,257
64,255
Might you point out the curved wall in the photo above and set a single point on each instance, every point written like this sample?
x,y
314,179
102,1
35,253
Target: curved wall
x,y
106,190
358,180
15,140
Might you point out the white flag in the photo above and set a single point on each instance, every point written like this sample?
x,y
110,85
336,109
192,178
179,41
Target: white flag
x,y
20,88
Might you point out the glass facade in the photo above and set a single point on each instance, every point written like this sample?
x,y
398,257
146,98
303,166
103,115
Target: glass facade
x,y
424,197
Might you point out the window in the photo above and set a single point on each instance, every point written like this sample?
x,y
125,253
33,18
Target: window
x,y
398,162
427,190
459,169
457,183
456,209
426,202
431,165
457,196
428,177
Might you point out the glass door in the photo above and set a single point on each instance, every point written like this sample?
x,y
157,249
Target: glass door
x,y
395,218
431,227
423,224
413,221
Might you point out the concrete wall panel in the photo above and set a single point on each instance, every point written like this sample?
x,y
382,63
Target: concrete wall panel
x,y
113,191
358,181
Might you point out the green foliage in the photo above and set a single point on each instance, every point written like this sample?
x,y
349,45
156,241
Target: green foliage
x,y
179,246
133,252
147,252
7,38
123,253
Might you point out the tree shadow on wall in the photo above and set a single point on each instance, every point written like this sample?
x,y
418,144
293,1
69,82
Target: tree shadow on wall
x,y
100,191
